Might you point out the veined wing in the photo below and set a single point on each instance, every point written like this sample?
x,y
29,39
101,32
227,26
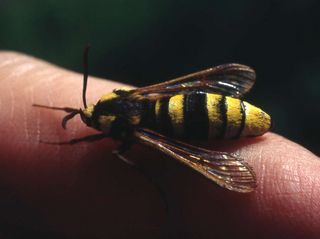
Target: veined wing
x,y
225,169
230,79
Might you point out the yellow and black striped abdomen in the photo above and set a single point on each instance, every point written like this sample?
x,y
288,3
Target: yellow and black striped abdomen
x,y
201,115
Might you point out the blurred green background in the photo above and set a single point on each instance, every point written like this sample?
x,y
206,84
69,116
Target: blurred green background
x,y
142,42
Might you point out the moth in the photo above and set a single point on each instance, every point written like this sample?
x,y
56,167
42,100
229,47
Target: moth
x,y
204,105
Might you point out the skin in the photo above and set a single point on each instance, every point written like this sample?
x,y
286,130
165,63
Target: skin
x,y
84,191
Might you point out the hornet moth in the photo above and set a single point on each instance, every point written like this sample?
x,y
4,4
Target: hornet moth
x,y
200,106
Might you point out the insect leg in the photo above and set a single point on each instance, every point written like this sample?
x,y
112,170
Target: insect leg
x,y
88,138
125,146
157,186
119,153
123,158
154,182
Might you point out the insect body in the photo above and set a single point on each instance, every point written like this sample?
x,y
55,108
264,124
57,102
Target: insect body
x,y
191,115
203,105
200,115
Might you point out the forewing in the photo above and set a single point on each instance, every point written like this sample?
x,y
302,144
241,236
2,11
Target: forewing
x,y
230,79
225,169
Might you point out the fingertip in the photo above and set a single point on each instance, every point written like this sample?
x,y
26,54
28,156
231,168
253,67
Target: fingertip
x,y
285,200
288,182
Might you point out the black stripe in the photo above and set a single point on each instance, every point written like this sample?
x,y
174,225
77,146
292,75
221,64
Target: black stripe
x,y
152,112
223,107
149,114
164,121
196,121
243,119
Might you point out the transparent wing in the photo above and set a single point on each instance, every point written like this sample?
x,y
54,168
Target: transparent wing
x,y
230,79
225,169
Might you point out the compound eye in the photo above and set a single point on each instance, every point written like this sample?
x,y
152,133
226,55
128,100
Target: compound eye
x,y
105,122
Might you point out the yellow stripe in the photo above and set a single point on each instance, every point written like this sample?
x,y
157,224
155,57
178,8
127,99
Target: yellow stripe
x,y
88,111
125,88
214,115
257,121
234,117
105,122
113,95
157,109
108,96
175,110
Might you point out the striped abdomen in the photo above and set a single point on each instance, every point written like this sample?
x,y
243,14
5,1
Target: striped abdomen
x,y
205,116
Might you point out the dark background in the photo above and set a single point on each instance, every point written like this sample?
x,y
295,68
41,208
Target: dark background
x,y
143,42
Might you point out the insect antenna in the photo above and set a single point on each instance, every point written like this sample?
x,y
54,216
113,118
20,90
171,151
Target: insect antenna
x,y
72,112
85,75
